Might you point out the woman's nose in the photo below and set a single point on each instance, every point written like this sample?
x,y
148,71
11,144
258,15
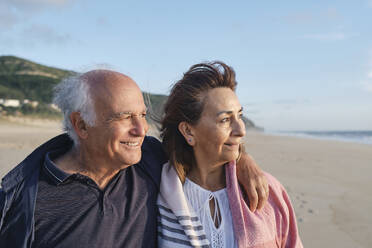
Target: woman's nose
x,y
239,128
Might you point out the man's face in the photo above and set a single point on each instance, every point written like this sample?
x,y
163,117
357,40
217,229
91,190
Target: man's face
x,y
121,125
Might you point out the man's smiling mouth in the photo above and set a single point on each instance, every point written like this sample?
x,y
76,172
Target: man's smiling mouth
x,y
132,144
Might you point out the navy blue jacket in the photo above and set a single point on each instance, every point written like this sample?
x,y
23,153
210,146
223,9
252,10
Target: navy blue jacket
x,y
19,188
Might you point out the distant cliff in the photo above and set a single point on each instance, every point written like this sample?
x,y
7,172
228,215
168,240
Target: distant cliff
x,y
155,104
26,80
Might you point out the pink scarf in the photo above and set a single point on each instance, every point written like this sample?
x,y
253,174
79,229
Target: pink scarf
x,y
272,226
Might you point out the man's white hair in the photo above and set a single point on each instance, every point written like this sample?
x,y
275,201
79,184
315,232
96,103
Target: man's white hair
x,y
73,94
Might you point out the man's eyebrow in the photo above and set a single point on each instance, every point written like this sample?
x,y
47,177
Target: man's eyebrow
x,y
118,115
229,111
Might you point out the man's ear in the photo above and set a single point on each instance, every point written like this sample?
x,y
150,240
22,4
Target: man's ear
x,y
186,131
79,125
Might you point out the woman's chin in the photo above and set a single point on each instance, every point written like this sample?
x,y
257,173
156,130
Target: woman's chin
x,y
230,157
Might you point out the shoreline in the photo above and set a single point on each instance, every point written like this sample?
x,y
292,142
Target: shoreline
x,y
305,135
56,123
328,181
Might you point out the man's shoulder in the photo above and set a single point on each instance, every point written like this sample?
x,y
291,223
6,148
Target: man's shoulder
x,y
153,149
150,142
153,157
33,161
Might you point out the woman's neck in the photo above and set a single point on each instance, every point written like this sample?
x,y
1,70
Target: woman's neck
x,y
210,177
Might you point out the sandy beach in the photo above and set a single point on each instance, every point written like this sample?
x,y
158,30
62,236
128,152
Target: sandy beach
x,y
329,182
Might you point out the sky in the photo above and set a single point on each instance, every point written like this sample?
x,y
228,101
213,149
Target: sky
x,y
300,65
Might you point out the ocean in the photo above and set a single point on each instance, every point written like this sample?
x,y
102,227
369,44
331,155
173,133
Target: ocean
x,y
362,137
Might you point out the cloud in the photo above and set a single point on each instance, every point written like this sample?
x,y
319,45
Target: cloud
x,y
330,19
334,36
45,34
300,17
33,5
312,17
8,19
369,75
14,12
332,14
102,22
367,85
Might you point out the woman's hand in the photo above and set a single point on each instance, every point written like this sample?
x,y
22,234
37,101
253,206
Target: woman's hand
x,y
253,181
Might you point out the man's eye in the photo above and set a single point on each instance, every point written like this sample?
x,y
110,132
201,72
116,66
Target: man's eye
x,y
143,115
225,120
125,117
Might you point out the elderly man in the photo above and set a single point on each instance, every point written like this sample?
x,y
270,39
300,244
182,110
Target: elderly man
x,y
97,185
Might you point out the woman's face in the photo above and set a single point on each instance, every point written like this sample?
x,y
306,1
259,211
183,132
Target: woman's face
x,y
220,129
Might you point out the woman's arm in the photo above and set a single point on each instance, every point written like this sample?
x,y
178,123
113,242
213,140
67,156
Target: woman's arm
x,y
253,181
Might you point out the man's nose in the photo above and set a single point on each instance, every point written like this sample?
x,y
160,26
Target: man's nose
x,y
139,127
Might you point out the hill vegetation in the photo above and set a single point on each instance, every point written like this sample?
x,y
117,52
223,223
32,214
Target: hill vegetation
x,y
23,79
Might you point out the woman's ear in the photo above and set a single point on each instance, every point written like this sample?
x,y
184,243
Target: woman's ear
x,y
79,125
186,131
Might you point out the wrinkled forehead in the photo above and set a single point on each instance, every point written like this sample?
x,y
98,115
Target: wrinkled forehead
x,y
221,99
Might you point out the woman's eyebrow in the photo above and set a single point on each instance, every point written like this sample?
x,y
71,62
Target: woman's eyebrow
x,y
229,111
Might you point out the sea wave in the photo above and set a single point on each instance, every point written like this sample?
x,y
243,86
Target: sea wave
x,y
362,137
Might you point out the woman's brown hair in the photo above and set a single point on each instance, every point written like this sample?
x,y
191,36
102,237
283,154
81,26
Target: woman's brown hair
x,y
186,103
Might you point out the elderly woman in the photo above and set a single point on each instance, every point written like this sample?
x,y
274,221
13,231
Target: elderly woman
x,y
200,201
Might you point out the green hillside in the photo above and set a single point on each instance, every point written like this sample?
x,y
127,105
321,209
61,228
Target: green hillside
x,y
22,79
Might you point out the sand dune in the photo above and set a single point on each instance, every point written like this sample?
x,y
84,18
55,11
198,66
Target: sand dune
x,y
329,182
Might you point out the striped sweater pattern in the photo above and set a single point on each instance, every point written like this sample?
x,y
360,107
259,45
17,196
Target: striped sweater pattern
x,y
178,224
272,226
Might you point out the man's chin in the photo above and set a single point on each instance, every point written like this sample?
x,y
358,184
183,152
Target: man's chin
x,y
131,161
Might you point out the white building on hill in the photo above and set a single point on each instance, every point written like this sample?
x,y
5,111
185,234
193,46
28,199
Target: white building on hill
x,y
10,102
